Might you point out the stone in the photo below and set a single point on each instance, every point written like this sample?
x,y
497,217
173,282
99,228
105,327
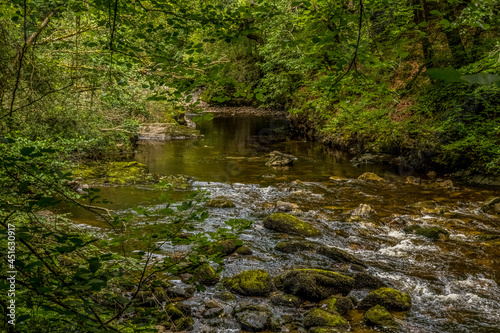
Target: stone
x,y
205,274
432,175
491,205
252,317
224,247
337,304
413,180
220,203
364,280
117,173
370,176
363,210
212,309
244,251
286,206
250,283
315,284
281,299
339,255
378,315
289,224
389,298
296,246
434,233
321,318
278,159
178,317
181,291
447,184
225,296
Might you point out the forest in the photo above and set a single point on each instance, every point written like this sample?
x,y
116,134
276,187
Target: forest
x,y
405,85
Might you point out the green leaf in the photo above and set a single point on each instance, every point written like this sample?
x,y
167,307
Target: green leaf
x,y
445,23
435,12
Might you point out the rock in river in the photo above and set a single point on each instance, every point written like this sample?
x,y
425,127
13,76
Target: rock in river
x,y
250,283
389,298
278,159
289,224
378,315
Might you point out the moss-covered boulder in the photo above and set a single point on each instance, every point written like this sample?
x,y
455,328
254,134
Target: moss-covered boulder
x,y
281,299
337,304
370,176
250,283
378,315
321,318
339,255
296,246
364,280
289,224
434,233
205,274
220,203
244,251
225,247
389,298
315,284
117,173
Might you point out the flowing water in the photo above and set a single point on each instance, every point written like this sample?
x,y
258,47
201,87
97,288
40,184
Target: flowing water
x,y
454,283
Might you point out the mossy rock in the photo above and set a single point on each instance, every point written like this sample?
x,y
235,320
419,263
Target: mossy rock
x,y
364,280
220,203
296,246
339,255
225,296
117,173
389,298
225,247
370,176
321,318
182,324
434,233
315,284
378,315
289,224
178,317
328,330
205,274
287,300
337,304
250,283
244,251
176,182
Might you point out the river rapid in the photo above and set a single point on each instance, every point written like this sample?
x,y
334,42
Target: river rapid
x,y
453,282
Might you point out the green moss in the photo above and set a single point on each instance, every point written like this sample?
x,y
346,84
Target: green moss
x,y
205,274
220,203
315,284
434,233
378,315
389,298
337,304
243,251
118,173
250,283
318,317
286,223
176,182
281,299
225,247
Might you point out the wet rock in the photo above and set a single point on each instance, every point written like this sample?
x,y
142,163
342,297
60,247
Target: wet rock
x,y
364,280
244,251
321,318
281,299
289,224
178,317
447,184
225,296
278,159
205,274
429,204
118,173
286,206
315,284
389,298
370,176
491,205
296,246
181,291
337,304
434,233
219,203
167,131
212,309
413,180
378,315
339,255
363,210
225,247
250,283
253,318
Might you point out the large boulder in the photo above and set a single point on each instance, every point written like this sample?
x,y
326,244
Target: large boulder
x,y
389,298
278,159
289,224
321,318
250,283
315,284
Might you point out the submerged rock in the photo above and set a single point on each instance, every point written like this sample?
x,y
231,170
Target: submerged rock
x,y
278,159
434,233
286,223
370,176
250,283
321,318
296,246
315,284
389,298
220,203
378,315
339,255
